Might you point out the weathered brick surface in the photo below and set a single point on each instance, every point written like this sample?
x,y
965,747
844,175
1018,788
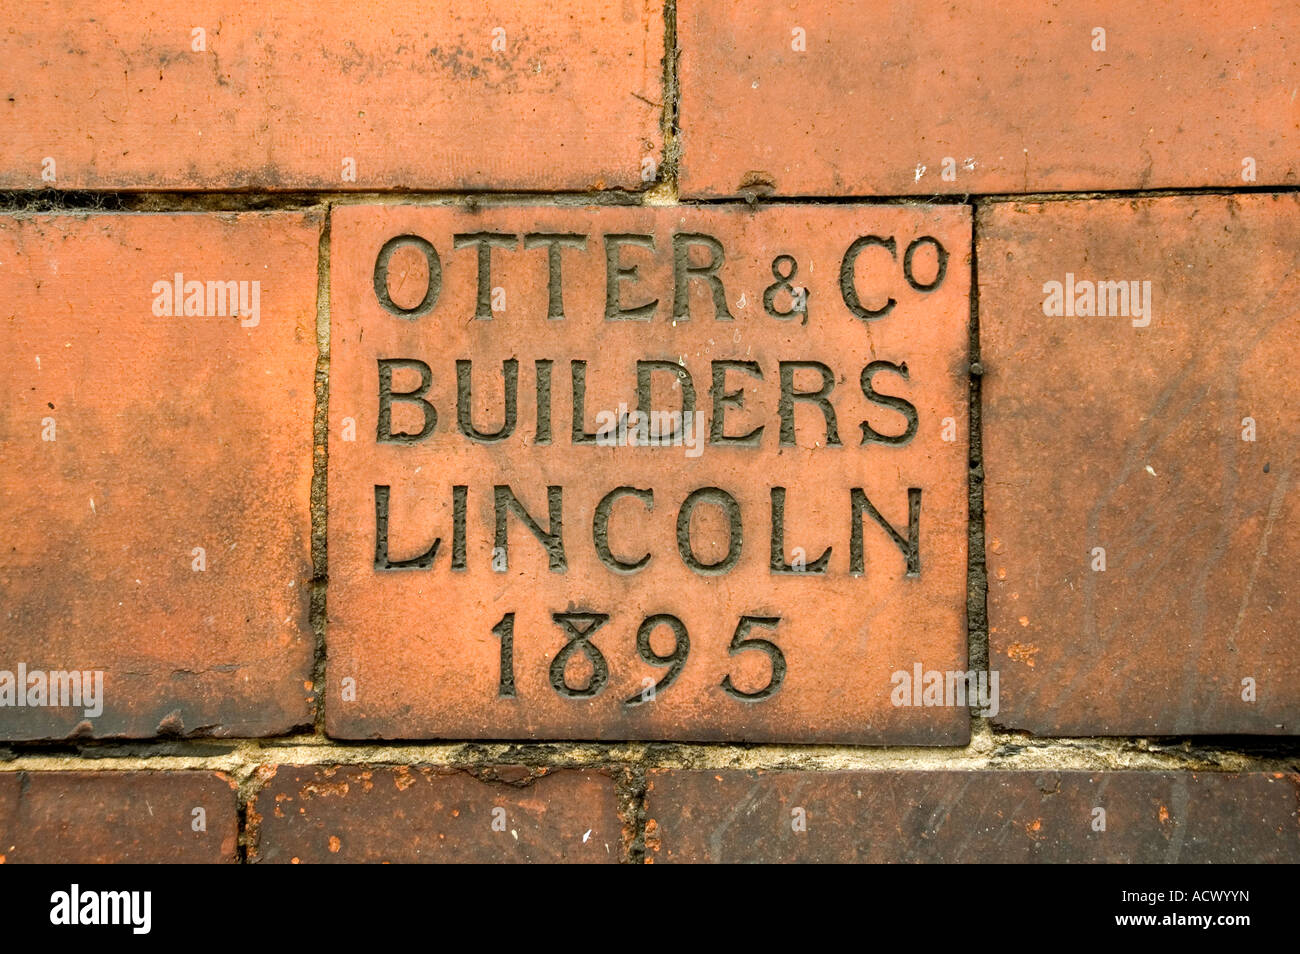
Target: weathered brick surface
x,y
409,814
1013,93
417,651
109,817
478,95
1109,433
488,568
966,817
134,440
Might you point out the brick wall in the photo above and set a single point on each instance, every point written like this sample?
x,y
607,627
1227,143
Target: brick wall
x,y
973,541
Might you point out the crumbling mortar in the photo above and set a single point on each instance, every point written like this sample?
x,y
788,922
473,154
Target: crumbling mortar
x,y
50,201
631,789
987,750
320,462
664,191
977,635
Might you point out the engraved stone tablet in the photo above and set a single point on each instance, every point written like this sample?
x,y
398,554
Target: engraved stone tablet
x,y
647,473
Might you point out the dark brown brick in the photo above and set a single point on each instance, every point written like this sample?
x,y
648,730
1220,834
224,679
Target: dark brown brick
x,y
425,814
977,816
111,817
1124,434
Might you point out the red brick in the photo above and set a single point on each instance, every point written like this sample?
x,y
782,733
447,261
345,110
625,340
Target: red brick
x,y
1012,93
110,817
414,94
170,434
419,644
731,816
354,813
1100,434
